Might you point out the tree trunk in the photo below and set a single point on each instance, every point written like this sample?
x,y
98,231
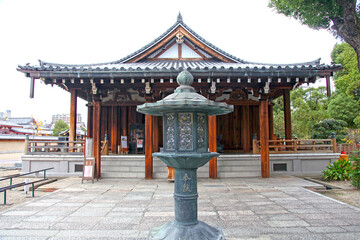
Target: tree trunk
x,y
348,27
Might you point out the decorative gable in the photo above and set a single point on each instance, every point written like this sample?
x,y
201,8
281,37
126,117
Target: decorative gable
x,y
179,48
180,43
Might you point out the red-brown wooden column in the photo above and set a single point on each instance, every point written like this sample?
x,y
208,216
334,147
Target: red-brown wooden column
x,y
114,129
264,138
271,122
245,128
90,122
123,116
155,134
148,147
97,136
73,107
287,114
212,147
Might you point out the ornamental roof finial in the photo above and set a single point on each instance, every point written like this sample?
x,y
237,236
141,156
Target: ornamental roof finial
x,y
179,18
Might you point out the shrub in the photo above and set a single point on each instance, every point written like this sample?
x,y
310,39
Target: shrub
x,y
338,170
355,172
323,129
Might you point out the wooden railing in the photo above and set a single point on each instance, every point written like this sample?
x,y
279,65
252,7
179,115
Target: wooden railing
x,y
297,146
347,147
39,147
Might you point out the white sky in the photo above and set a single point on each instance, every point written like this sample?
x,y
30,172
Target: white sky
x,y
77,31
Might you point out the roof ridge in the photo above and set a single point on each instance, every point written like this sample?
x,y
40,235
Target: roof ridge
x,y
313,62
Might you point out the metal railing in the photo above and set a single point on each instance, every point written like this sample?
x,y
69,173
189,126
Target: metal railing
x,y
297,146
41,147
11,186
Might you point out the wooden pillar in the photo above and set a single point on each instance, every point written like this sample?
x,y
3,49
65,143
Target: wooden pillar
x,y
32,87
124,129
90,122
148,147
264,138
171,174
97,136
114,129
212,147
328,86
287,114
155,134
73,106
245,128
271,122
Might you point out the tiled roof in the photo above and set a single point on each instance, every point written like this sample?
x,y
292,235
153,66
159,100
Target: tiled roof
x,y
171,65
22,137
8,124
22,121
30,131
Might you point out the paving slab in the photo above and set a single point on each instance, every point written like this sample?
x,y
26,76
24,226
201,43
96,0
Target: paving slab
x,y
279,207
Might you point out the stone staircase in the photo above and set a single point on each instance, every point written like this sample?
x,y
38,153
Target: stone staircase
x,y
133,166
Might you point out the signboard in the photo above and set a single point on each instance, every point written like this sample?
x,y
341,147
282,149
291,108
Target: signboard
x,y
123,145
88,169
124,142
140,143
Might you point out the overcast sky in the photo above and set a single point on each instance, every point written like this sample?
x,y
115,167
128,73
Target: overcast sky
x,y
77,31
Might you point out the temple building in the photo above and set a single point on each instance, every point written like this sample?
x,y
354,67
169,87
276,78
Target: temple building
x,y
113,90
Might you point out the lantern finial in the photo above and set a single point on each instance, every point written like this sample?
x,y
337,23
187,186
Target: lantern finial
x,y
185,78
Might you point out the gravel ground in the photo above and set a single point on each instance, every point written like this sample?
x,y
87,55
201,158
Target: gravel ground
x,y
346,192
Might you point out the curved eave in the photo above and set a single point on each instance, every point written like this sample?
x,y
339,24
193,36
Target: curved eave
x,y
209,107
178,65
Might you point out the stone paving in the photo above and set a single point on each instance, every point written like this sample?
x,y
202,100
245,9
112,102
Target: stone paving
x,y
245,208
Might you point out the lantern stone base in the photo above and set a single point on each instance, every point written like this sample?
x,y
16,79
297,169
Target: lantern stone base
x,y
174,230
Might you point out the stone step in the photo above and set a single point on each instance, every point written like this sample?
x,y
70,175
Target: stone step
x,y
238,163
107,168
137,175
239,174
238,168
133,166
162,175
122,163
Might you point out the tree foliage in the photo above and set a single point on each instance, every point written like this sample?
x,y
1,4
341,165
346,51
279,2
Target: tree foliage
x,y
278,116
59,127
324,129
308,106
341,17
344,107
348,79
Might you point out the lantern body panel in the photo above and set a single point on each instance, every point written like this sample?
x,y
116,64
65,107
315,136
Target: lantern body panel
x,y
185,132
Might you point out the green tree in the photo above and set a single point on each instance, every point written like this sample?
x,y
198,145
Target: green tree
x,y
278,115
341,17
59,127
344,107
324,129
308,106
348,79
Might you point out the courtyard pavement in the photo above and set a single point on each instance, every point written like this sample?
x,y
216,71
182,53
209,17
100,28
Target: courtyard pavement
x,y
245,208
